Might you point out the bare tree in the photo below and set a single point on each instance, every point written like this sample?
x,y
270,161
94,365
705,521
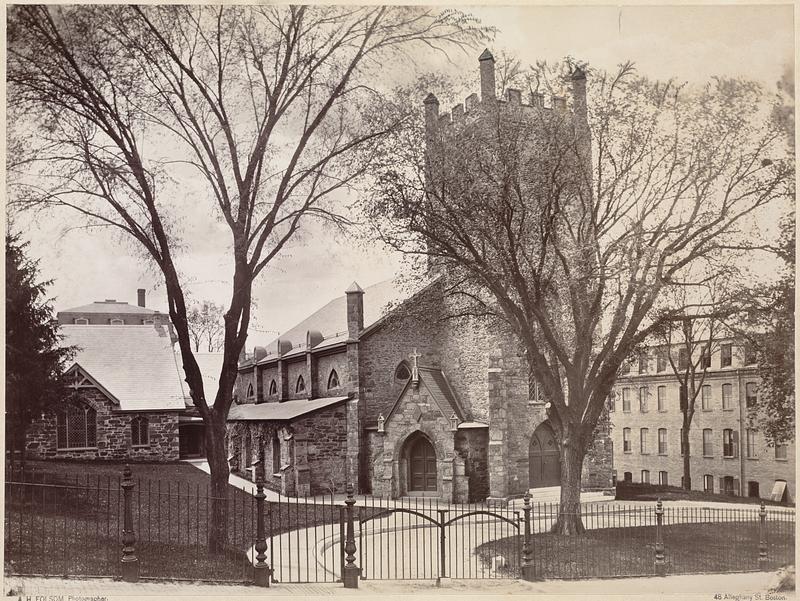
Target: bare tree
x,y
207,326
571,225
688,344
271,106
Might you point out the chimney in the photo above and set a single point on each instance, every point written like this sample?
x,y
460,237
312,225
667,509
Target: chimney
x,y
431,113
140,297
579,93
355,311
488,85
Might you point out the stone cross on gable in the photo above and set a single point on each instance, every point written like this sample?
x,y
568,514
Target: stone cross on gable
x,y
414,367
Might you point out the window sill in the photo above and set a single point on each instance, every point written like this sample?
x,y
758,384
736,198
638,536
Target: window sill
x,y
663,454
708,457
76,449
140,446
782,460
752,458
727,408
729,457
644,453
627,452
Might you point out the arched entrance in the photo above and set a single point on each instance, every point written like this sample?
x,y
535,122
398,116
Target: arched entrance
x,y
421,462
544,461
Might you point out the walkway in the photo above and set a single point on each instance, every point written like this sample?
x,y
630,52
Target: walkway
x,y
684,587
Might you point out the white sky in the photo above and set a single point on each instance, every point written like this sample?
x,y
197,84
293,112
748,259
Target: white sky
x,y
689,43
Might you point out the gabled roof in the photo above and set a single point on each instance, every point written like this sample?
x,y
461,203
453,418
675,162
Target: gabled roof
x,y
331,319
439,390
110,306
134,364
286,411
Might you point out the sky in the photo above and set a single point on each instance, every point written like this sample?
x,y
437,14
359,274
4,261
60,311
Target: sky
x,y
687,43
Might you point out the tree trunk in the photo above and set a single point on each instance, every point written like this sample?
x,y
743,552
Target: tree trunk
x,y
569,520
687,466
218,462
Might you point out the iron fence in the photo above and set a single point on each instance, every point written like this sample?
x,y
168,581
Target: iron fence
x,y
128,528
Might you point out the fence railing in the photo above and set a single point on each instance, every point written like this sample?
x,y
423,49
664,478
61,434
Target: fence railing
x,y
140,528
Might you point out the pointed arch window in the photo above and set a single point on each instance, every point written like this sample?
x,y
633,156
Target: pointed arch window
x,y
76,427
301,385
250,390
140,431
276,453
402,373
273,388
333,380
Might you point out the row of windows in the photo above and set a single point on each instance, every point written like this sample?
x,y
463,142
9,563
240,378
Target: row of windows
x,y
76,428
83,321
300,385
662,357
751,397
730,443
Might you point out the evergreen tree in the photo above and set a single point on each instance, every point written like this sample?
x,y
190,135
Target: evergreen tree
x,y
34,359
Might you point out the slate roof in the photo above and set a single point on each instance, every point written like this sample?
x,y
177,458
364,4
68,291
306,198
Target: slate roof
x,y
110,307
134,364
286,411
331,319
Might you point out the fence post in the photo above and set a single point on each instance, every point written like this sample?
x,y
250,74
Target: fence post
x,y
660,565
351,571
442,547
130,563
762,538
262,569
527,551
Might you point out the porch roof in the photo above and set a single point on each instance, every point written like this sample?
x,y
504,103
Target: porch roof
x,y
286,411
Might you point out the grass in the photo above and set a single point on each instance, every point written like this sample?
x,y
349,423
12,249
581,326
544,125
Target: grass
x,y
689,548
68,521
643,492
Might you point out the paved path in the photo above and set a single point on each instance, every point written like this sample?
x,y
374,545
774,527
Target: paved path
x,y
679,587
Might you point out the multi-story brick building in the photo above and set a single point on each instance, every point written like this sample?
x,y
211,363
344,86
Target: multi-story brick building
x,y
727,454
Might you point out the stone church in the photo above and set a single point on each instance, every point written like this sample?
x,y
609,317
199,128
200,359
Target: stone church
x,y
379,387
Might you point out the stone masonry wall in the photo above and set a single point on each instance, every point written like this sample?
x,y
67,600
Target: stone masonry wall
x,y
113,434
381,351
313,451
325,363
294,370
416,413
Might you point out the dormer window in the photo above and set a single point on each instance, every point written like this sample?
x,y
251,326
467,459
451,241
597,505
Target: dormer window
x,y
116,322
301,385
333,380
81,321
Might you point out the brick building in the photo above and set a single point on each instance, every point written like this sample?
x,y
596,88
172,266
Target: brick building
x,y
409,402
113,312
124,400
726,455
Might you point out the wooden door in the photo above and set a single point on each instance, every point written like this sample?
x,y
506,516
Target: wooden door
x,y
422,466
545,464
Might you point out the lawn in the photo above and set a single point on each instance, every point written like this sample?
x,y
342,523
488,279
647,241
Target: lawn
x,y
689,548
67,520
634,491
